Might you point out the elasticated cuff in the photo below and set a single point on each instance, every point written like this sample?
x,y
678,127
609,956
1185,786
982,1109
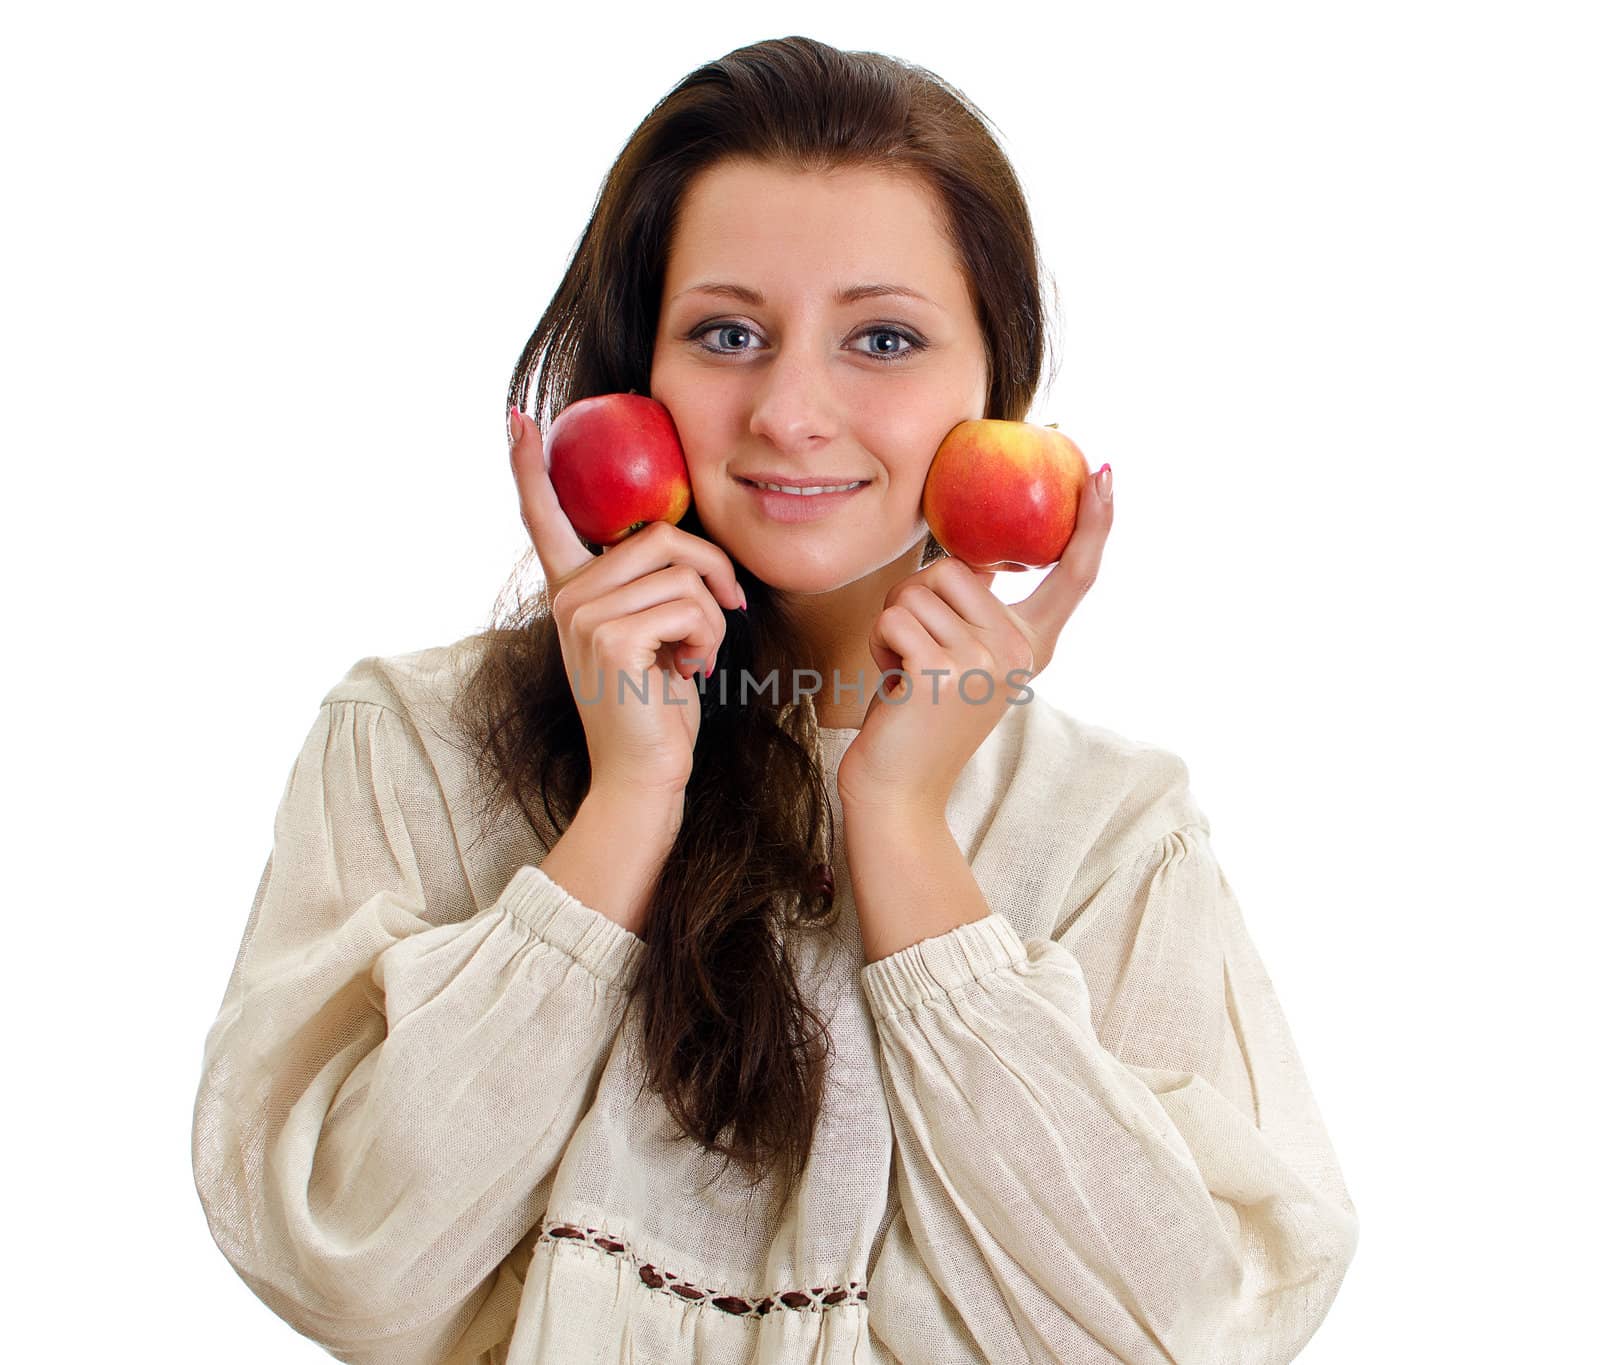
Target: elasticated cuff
x,y
598,942
941,964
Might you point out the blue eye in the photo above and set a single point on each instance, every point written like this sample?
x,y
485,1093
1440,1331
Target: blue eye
x,y
909,344
721,327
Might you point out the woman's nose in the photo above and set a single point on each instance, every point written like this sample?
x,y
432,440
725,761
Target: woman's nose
x,y
795,402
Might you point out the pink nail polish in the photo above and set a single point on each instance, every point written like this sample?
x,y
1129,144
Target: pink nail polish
x,y
1102,483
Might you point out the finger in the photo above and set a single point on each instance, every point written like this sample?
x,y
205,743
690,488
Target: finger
x,y
961,613
943,623
668,626
899,640
1058,594
661,544
672,584
561,552
963,587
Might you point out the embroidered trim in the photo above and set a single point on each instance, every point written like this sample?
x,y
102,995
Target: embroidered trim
x,y
797,1300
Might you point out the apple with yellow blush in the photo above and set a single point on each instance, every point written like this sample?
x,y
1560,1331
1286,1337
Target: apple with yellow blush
x,y
1004,495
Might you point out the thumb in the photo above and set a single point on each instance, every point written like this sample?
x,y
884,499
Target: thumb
x,y
560,549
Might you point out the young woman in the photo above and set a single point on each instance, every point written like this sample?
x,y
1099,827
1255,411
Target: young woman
x,y
567,1030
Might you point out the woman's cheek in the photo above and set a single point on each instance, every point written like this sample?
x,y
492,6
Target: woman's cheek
x,y
711,493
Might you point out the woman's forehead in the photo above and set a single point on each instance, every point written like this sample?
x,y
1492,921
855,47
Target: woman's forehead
x,y
758,228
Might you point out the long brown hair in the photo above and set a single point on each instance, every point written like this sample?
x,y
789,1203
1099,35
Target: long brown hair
x,y
730,1044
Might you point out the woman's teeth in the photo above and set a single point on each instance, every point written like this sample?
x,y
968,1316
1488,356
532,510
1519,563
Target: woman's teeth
x,y
808,492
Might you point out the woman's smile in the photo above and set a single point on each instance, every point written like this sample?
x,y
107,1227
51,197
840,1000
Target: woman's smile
x,y
802,500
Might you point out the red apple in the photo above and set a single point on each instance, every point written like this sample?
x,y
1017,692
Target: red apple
x,y
616,464
1004,495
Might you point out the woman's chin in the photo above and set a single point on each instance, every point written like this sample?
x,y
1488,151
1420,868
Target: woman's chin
x,y
806,565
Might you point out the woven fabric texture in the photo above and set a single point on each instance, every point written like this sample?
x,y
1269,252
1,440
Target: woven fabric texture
x,y
1075,1131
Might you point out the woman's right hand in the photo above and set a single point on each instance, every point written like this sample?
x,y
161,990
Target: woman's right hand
x,y
643,608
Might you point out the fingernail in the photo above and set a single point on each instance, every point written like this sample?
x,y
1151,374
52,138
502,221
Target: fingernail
x,y
516,425
1102,483
744,601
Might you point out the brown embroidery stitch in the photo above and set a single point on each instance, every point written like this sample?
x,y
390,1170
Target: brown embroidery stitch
x,y
799,1300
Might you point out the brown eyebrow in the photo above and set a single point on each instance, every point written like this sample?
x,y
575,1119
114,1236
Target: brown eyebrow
x,y
756,299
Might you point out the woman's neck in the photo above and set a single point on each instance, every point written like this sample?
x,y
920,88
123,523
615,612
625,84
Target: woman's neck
x,y
835,627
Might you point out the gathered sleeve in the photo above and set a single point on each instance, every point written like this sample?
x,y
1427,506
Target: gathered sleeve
x,y
1108,1149
393,1073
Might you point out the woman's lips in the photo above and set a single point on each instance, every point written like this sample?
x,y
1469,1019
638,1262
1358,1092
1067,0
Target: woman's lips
x,y
797,507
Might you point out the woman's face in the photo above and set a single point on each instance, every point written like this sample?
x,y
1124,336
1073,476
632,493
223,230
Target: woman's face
x,y
788,382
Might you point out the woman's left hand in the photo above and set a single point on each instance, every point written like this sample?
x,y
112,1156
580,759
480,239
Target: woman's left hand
x,y
938,624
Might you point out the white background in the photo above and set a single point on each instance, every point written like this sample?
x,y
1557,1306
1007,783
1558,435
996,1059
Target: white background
x,y
1329,299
